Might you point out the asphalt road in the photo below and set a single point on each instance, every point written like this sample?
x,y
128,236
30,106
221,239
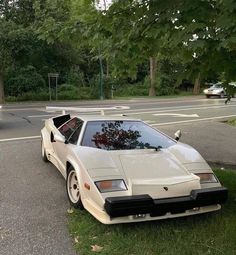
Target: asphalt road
x,y
33,203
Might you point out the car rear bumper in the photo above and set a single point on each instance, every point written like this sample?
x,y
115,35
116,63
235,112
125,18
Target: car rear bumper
x,y
144,204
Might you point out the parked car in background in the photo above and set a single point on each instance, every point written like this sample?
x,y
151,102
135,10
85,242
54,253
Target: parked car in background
x,y
215,90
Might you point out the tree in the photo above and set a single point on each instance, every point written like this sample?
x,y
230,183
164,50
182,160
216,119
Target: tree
x,y
129,32
14,36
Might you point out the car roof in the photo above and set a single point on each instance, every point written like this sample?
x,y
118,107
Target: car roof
x,y
104,118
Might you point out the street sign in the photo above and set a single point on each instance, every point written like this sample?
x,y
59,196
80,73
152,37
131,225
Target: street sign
x,y
50,77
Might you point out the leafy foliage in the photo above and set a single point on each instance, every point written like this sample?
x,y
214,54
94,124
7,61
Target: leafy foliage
x,y
25,80
196,39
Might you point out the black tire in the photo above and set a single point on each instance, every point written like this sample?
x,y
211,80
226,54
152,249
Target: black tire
x,y
207,96
43,152
73,189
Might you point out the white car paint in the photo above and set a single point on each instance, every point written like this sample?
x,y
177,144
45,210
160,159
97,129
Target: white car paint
x,y
144,171
215,90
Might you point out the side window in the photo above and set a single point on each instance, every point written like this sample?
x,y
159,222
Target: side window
x,y
75,136
71,130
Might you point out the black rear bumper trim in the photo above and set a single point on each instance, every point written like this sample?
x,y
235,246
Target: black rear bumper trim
x,y
144,204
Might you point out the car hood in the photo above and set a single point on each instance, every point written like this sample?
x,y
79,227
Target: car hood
x,y
150,164
185,153
138,164
157,173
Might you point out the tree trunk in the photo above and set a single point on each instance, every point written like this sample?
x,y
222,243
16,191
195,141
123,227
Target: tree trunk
x,y
153,72
107,67
105,5
197,85
2,97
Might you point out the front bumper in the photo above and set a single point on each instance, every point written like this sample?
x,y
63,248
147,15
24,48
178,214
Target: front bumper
x,y
144,204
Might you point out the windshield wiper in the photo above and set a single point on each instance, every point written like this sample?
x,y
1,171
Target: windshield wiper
x,y
158,148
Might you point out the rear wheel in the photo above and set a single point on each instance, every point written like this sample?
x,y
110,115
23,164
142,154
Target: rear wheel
x,y
43,152
73,189
207,96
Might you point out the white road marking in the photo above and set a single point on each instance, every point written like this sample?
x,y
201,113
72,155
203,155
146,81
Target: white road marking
x,y
163,101
21,109
20,138
39,116
189,121
173,109
151,110
177,115
149,121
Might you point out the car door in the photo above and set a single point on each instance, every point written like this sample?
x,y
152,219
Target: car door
x,y
70,130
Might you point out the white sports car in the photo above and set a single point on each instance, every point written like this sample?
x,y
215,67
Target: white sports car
x,y
122,170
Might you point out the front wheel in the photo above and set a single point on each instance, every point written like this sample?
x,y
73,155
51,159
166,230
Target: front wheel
x,y
73,189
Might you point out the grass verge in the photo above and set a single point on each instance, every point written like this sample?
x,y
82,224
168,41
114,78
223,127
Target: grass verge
x,y
213,233
181,94
232,122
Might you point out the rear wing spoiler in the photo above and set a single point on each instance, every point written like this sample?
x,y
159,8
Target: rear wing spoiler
x,y
78,109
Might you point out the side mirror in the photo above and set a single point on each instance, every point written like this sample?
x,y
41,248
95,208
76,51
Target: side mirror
x,y
59,138
178,134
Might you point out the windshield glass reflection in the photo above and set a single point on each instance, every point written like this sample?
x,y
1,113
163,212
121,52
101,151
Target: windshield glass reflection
x,y
123,135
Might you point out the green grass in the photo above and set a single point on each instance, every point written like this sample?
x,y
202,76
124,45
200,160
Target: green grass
x,y
181,94
213,233
232,122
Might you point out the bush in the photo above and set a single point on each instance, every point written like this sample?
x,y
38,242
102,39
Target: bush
x,y
73,93
67,95
66,87
29,96
96,90
137,89
120,88
76,94
165,85
24,80
75,78
85,93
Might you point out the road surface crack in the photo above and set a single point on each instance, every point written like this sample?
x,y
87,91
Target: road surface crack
x,y
24,118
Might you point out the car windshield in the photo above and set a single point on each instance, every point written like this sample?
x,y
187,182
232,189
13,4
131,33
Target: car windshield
x,y
123,135
217,86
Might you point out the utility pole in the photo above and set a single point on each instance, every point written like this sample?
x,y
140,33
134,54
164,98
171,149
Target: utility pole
x,y
101,76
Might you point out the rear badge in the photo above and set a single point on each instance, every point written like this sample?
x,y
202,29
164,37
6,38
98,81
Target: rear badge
x,y
165,188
